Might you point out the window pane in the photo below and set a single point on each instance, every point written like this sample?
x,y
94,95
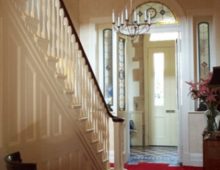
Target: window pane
x,y
108,79
121,74
158,79
204,49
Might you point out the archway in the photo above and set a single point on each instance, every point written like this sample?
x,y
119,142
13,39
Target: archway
x,y
176,27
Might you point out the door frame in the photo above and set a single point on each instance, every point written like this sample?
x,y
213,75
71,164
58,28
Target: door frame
x,y
147,48
161,29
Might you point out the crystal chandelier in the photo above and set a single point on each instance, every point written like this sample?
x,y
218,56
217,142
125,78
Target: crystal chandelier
x,y
128,21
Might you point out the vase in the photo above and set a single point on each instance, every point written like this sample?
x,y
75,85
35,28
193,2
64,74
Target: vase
x,y
211,114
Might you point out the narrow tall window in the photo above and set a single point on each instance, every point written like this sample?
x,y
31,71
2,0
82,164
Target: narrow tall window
x,y
158,79
203,49
108,78
121,74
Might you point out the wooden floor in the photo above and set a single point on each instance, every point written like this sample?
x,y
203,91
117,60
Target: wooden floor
x,y
158,154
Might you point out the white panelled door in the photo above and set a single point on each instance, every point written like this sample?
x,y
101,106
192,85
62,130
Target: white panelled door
x,y
162,96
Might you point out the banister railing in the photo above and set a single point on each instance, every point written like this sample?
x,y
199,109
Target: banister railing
x,y
54,32
114,118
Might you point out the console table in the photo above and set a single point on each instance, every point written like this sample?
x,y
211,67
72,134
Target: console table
x,y
211,150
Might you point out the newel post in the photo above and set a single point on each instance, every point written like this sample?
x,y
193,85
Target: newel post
x,y
119,146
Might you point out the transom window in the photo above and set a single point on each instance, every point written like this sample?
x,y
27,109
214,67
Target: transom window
x,y
160,14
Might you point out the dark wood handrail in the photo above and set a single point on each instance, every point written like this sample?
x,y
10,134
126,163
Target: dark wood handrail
x,y
114,118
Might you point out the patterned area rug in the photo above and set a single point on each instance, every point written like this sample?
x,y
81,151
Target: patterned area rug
x,y
154,154
159,166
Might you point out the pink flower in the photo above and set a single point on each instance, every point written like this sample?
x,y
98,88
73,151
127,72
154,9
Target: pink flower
x,y
192,85
201,90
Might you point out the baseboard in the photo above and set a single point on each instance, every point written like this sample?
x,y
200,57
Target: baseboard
x,y
111,157
193,159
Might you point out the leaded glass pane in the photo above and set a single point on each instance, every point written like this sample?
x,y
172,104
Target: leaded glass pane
x,y
121,74
108,78
160,14
204,49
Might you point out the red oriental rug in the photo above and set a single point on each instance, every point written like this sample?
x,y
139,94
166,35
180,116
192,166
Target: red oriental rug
x,y
159,166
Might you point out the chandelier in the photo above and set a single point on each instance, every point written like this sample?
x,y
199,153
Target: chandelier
x,y
128,21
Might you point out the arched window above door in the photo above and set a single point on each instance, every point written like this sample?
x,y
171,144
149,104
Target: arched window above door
x,y
160,13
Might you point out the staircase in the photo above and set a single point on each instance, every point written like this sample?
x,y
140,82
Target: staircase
x,y
54,35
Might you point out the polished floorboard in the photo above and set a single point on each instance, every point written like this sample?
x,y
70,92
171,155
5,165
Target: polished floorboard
x,y
155,154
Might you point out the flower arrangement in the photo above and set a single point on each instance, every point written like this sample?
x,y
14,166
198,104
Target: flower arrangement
x,y
202,91
210,96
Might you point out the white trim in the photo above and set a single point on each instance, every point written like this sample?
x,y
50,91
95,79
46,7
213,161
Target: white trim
x,y
193,159
186,68
111,156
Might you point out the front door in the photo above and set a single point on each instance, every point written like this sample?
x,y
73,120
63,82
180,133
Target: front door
x,y
162,95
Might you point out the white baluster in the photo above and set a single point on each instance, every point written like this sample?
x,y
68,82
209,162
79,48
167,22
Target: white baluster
x,y
61,40
48,9
80,72
53,27
68,61
70,58
57,4
87,95
78,75
32,13
88,99
76,70
119,145
82,83
27,8
44,25
93,99
65,43
39,10
107,141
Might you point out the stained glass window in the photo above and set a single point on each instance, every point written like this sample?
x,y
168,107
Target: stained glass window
x,y
160,14
108,78
121,74
204,49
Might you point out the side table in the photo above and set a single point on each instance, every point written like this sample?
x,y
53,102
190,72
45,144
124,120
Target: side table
x,y
211,150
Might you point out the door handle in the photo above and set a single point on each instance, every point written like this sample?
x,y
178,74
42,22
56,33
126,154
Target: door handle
x,y
170,111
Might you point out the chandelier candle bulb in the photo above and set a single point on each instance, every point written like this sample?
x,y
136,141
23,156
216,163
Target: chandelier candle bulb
x,y
126,14
145,15
138,19
135,16
122,18
113,17
118,22
149,18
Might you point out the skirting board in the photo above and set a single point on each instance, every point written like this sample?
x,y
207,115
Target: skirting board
x,y
193,159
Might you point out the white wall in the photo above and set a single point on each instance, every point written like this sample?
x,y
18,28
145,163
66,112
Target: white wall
x,y
89,41
195,138
73,9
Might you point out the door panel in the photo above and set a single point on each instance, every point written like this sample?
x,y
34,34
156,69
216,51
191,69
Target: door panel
x,y
162,96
